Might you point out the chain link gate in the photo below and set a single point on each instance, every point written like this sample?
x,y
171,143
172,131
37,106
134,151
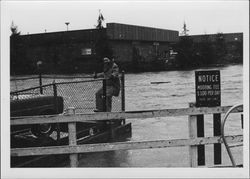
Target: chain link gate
x,y
77,94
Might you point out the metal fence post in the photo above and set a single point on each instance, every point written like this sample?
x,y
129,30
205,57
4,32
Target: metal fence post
x,y
72,141
104,96
123,94
123,90
40,82
242,121
192,126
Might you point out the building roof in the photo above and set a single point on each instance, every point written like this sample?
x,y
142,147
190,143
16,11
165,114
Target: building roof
x,y
115,31
59,37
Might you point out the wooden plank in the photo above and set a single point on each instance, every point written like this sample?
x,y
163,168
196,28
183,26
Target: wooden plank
x,y
119,115
132,145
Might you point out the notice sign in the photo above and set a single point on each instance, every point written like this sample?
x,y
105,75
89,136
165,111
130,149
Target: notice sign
x,y
207,86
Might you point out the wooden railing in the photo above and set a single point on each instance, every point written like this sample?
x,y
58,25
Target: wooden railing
x,y
73,149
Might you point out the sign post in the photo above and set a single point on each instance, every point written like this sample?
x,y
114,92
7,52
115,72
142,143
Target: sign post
x,y
208,94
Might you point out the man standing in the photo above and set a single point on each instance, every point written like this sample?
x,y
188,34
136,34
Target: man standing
x,y
111,75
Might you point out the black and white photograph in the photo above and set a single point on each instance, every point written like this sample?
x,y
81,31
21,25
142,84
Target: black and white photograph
x,y
125,89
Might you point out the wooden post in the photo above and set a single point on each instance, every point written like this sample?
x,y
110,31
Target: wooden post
x,y
72,141
196,129
56,110
217,132
200,133
192,125
112,127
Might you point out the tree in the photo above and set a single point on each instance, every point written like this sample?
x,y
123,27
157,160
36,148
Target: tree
x,y
100,21
185,30
13,48
14,29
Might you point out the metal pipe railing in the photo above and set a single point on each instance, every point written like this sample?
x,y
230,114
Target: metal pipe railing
x,y
222,132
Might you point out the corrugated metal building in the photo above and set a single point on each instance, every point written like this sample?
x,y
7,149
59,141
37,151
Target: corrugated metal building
x,y
117,31
144,48
74,51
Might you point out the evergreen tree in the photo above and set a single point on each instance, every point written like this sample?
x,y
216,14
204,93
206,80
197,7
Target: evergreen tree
x,y
14,29
185,30
100,21
13,49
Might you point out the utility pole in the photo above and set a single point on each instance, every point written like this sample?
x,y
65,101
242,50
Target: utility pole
x,y
67,24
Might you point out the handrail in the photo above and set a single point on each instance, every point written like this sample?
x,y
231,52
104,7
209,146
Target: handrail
x,y
222,132
56,83
130,145
28,89
48,77
23,78
51,84
78,117
51,77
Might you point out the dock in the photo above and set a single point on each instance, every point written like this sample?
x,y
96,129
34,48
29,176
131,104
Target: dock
x,y
74,148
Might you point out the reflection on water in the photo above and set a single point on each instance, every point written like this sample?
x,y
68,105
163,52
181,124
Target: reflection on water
x,y
105,159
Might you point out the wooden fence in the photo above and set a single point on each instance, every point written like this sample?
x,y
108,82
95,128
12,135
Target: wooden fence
x,y
73,149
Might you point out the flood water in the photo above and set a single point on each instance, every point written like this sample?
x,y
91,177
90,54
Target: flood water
x,y
177,92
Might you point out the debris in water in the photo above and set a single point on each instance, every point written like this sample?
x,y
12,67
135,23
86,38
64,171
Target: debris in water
x,y
160,82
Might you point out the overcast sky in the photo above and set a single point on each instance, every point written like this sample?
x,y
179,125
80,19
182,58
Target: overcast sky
x,y
201,17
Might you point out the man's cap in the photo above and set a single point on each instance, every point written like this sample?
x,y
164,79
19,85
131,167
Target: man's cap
x,y
106,59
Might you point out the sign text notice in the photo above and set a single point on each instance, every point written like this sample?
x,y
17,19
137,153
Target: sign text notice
x,y
207,87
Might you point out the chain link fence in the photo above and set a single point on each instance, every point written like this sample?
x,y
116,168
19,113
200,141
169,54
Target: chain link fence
x,y
77,94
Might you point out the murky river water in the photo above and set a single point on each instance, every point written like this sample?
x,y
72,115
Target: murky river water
x,y
177,92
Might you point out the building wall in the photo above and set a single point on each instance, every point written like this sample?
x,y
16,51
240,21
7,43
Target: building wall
x,y
141,53
59,51
228,37
61,57
116,31
226,48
